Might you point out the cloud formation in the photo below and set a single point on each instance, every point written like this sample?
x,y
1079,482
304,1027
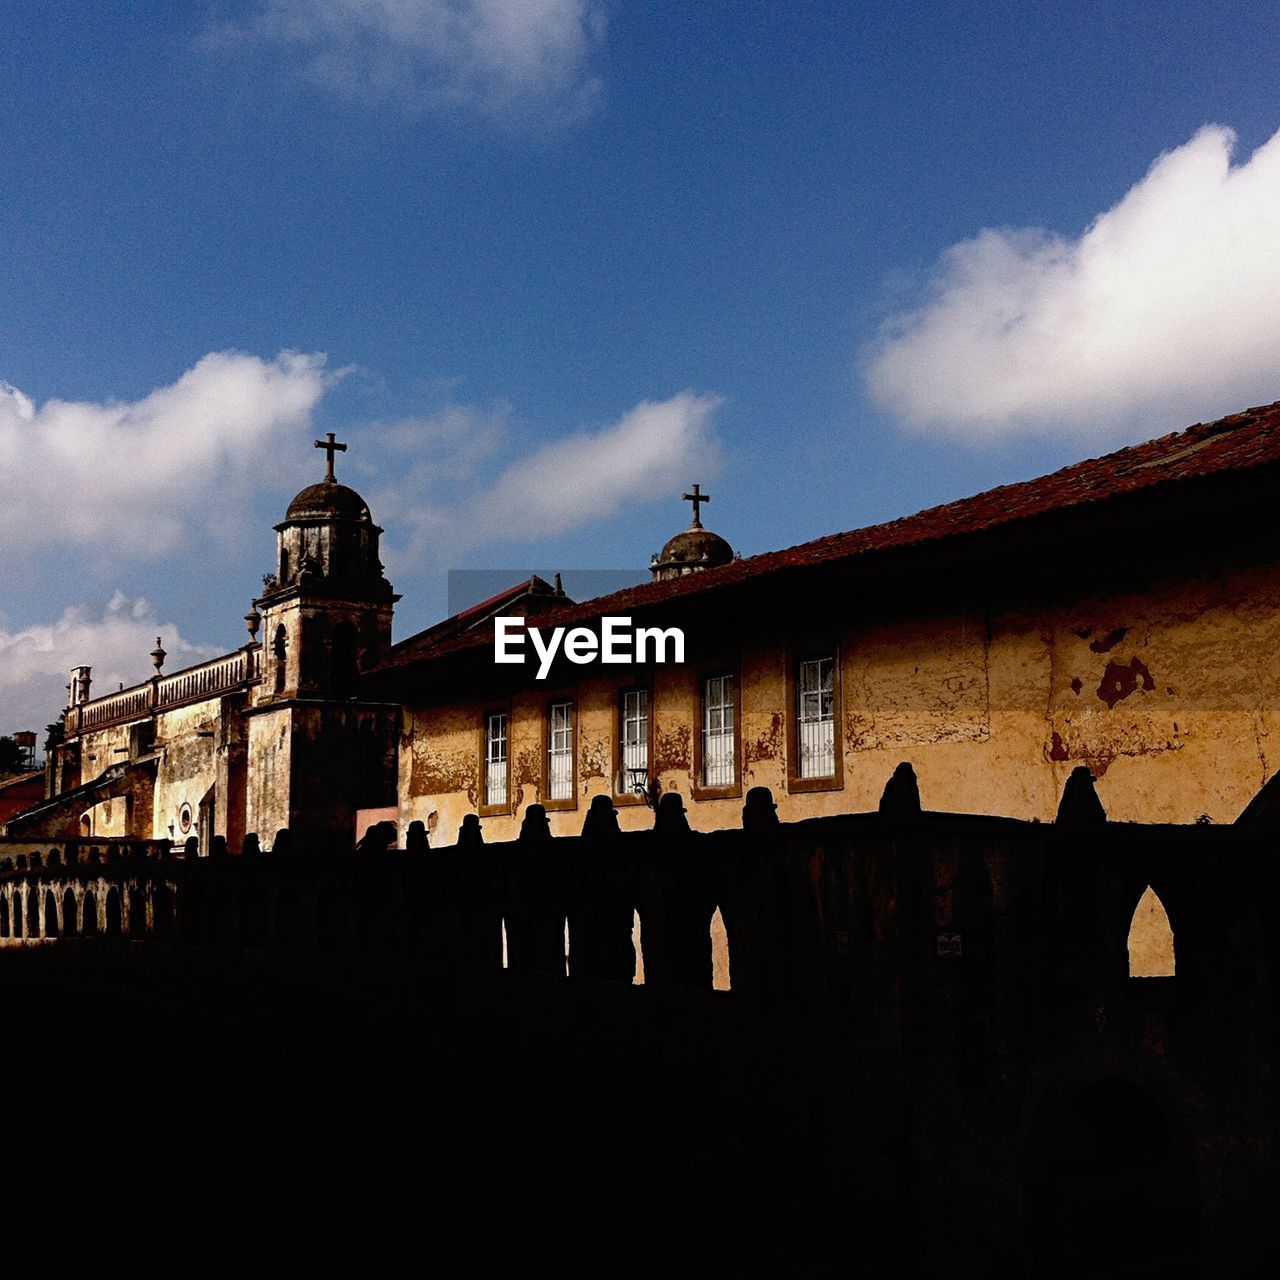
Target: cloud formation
x,y
501,58
562,485
116,640
130,478
1161,313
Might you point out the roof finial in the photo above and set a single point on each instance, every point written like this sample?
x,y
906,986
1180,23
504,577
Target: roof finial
x,y
330,446
697,497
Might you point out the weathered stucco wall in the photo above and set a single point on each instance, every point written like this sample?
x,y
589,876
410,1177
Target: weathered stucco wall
x,y
187,739
1169,694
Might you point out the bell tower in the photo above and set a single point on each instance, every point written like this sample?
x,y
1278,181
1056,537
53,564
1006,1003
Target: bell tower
x,y
317,751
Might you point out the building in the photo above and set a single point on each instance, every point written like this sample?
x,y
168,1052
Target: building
x,y
263,739
1119,614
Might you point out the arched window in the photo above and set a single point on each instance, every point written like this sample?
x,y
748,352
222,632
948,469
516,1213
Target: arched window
x,y
69,913
719,953
1151,939
33,912
4,916
50,914
278,651
90,914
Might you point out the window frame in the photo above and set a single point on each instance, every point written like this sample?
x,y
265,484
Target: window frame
x,y
834,781
572,801
622,795
698,789
485,809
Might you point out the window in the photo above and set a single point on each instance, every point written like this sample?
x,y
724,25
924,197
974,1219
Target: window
x,y
814,761
719,732
815,718
633,740
495,759
560,751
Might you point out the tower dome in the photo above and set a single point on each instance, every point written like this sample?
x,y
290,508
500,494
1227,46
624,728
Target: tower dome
x,y
692,550
328,538
328,501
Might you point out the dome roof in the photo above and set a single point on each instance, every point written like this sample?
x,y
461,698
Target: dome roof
x,y
696,546
328,500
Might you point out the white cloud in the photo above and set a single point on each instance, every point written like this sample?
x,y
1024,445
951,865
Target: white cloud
x,y
129,478
1162,312
116,640
498,57
563,485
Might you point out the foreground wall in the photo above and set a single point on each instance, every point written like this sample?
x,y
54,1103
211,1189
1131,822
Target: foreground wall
x,y
932,1043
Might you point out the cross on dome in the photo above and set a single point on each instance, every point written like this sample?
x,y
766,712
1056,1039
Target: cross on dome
x,y
697,497
332,446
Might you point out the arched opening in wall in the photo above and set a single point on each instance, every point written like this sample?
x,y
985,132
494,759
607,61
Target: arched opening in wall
x,y
33,912
1151,953
137,911
1114,1189
17,912
4,916
69,921
345,659
89,914
278,654
86,827
504,942
719,953
637,945
113,912
50,914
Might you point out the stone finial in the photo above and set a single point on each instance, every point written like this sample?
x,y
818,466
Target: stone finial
x,y
1080,806
470,836
669,817
416,839
601,820
760,813
536,826
250,846
901,797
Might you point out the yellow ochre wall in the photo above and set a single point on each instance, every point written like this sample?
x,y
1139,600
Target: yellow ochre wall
x,y
1171,696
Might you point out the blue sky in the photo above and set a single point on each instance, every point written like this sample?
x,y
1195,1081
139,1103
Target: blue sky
x,y
545,264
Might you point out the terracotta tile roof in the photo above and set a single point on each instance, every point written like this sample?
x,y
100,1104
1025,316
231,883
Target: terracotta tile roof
x,y
1236,443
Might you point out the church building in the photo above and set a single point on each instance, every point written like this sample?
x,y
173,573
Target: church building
x,y
1121,614
267,738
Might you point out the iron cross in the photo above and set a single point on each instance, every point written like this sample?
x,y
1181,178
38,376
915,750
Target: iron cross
x,y
697,497
331,446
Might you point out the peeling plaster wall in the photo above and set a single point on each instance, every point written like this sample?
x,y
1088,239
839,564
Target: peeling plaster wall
x,y
187,738
1169,694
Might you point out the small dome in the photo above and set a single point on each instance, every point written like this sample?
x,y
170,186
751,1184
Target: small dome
x,y
696,546
326,501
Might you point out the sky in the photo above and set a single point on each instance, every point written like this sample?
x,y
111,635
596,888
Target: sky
x,y
543,264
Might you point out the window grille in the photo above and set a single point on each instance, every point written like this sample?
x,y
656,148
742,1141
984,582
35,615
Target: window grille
x,y
495,758
815,717
635,736
718,732
560,752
